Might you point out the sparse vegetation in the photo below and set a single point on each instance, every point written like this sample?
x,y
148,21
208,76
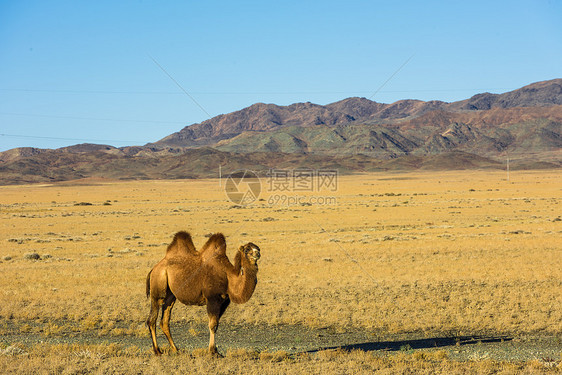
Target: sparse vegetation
x,y
31,256
74,358
450,262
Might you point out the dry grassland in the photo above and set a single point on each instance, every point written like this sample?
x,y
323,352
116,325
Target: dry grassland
x,y
90,359
434,253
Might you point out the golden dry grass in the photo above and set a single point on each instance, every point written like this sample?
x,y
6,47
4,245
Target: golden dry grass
x,y
426,252
103,359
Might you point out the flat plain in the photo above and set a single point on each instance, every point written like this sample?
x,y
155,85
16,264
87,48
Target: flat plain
x,y
402,258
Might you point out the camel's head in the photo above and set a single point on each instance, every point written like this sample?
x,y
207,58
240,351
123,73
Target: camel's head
x,y
251,252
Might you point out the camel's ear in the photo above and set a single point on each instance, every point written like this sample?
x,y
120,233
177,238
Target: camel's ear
x,y
242,250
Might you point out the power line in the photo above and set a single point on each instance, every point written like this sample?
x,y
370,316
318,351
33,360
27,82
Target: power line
x,y
389,78
90,118
74,91
68,139
180,86
344,92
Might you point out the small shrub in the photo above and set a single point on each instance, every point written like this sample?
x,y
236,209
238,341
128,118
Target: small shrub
x,y
13,350
201,353
439,355
277,356
25,328
32,256
53,329
89,323
406,348
329,354
243,354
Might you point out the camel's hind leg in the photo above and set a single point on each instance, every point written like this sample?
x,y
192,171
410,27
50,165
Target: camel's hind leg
x,y
166,315
151,323
159,293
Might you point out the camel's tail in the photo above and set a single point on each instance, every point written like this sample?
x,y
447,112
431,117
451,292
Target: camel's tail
x,y
148,284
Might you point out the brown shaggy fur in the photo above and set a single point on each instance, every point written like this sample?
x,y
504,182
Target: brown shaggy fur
x,y
203,277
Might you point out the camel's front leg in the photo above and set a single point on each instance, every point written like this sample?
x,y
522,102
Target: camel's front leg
x,y
214,310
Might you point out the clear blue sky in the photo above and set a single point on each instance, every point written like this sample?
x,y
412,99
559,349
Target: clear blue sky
x,y
82,71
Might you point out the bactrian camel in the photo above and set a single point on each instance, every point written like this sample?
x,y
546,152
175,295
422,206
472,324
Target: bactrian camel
x,y
204,277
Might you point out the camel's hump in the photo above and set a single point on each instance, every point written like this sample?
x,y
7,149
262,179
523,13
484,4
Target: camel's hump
x,y
182,241
182,235
216,241
215,244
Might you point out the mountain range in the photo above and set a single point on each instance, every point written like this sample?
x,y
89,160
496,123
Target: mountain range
x,y
352,135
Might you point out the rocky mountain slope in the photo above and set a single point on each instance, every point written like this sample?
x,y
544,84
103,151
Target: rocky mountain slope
x,y
260,118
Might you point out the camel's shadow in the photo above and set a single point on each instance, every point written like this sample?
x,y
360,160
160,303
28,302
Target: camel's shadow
x,y
429,343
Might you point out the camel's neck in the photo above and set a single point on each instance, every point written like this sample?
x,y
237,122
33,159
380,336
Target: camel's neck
x,y
242,283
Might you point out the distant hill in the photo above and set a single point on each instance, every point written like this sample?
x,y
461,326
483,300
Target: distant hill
x,y
56,166
538,94
348,112
257,117
351,135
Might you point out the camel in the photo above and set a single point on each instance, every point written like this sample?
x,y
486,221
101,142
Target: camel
x,y
204,277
